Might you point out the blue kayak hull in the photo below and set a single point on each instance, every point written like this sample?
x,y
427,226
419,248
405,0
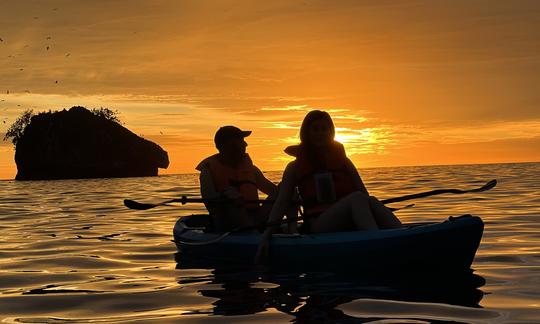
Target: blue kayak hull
x,y
449,245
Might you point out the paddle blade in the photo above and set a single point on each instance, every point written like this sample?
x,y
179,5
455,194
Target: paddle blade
x,y
491,184
400,208
131,204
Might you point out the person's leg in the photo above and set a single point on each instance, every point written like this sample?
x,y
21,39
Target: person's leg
x,y
384,217
349,213
231,217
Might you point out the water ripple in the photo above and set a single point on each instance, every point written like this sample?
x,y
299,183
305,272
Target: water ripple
x,y
70,247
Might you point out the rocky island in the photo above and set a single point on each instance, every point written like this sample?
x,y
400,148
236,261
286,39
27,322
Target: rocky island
x,y
81,143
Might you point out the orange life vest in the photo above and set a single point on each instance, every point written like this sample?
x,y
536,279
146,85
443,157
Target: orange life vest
x,y
241,177
332,166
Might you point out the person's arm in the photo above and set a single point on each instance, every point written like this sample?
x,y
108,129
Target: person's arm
x,y
263,184
208,190
286,190
357,180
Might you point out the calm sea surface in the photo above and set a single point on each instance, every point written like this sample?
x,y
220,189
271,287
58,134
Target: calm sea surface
x,y
71,252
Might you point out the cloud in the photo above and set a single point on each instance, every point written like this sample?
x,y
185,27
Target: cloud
x,y
433,60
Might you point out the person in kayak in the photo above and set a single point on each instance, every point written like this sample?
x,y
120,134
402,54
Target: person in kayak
x,y
333,194
231,175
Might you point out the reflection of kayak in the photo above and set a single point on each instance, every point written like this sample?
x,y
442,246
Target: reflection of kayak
x,y
237,290
449,245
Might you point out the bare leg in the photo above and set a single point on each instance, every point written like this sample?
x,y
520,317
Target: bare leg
x,y
230,217
384,217
351,212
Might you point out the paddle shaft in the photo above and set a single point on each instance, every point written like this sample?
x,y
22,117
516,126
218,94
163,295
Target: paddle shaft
x,y
184,199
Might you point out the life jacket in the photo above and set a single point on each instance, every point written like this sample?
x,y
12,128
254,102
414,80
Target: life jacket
x,y
329,177
241,177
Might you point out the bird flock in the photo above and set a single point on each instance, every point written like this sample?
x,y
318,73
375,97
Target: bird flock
x,y
48,47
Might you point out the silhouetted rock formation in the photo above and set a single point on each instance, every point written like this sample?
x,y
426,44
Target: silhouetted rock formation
x,y
79,144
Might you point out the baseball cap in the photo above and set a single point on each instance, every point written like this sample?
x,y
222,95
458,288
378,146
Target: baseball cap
x,y
227,132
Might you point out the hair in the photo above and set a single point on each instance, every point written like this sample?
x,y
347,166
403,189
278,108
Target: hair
x,y
310,118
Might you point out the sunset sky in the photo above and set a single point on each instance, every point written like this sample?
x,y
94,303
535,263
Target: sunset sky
x,y
407,82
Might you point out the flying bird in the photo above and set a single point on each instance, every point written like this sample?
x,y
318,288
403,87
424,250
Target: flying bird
x,y
1,40
68,54
48,48
48,37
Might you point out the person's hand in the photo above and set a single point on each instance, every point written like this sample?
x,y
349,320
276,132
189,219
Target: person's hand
x,y
264,248
234,196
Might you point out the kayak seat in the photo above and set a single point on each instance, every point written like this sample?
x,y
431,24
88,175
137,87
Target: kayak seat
x,y
199,221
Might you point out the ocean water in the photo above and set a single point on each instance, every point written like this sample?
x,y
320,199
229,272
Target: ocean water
x,y
71,252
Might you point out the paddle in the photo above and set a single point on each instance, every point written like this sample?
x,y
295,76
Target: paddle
x,y
131,204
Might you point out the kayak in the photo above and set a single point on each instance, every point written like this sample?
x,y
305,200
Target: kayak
x,y
449,245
